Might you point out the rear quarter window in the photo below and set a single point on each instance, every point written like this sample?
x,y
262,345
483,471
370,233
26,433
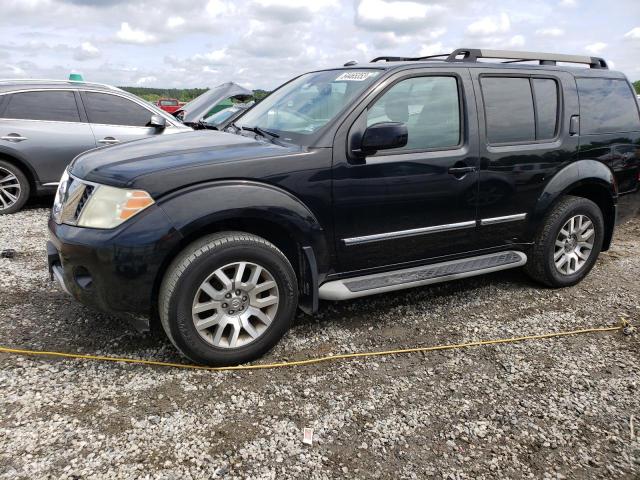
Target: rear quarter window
x,y
607,106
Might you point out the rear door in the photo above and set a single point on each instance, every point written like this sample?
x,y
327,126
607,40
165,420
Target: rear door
x,y
116,119
45,129
524,118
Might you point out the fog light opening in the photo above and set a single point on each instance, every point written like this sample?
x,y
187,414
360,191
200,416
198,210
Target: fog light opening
x,y
83,278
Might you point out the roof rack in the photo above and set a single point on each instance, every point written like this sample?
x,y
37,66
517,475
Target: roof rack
x,y
514,56
410,59
509,56
49,80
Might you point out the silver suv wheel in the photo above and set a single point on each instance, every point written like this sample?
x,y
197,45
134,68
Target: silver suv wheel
x,y
235,305
9,189
574,244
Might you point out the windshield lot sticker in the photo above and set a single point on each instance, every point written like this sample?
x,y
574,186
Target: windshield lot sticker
x,y
355,76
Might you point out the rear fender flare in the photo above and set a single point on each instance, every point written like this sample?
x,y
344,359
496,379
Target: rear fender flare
x,y
577,174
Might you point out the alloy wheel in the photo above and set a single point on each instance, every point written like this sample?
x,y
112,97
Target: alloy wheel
x,y
9,189
574,244
235,305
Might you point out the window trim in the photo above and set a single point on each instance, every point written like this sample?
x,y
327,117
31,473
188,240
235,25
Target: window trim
x,y
633,94
462,138
5,99
530,77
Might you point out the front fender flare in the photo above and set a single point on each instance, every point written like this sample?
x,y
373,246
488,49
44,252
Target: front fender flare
x,y
194,208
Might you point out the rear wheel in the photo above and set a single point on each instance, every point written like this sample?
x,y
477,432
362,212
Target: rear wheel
x,y
568,244
228,298
14,188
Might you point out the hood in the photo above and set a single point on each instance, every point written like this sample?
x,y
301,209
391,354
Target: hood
x,y
159,164
197,108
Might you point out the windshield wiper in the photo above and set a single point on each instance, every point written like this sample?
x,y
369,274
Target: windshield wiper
x,y
233,124
261,131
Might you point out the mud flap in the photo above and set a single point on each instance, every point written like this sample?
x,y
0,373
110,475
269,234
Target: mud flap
x,y
309,298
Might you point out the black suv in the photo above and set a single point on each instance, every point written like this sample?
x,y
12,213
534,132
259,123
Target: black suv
x,y
350,182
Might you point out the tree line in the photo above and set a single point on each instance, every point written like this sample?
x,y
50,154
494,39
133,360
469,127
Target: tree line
x,y
182,94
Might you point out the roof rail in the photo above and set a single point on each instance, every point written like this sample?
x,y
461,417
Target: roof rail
x,y
50,80
509,56
514,56
410,59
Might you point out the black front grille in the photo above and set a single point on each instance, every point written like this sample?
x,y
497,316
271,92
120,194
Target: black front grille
x,y
88,190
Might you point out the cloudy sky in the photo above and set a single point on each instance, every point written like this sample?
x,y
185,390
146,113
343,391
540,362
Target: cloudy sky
x,y
261,43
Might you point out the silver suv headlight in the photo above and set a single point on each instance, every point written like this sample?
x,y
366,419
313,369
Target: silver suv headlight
x,y
93,205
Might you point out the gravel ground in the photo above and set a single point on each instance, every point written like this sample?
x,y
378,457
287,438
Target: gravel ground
x,y
560,408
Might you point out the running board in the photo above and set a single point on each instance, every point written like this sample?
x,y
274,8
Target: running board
x,y
415,277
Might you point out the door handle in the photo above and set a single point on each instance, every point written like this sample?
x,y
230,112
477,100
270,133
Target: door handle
x,y
14,137
574,125
108,140
460,172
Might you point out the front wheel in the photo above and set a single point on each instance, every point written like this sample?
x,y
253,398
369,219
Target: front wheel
x,y
568,243
228,298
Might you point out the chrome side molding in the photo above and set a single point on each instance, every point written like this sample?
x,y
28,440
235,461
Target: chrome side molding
x,y
408,233
377,237
506,218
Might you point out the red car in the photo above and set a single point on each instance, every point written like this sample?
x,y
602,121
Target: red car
x,y
170,105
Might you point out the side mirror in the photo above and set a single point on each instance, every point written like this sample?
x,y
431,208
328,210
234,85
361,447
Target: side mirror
x,y
157,121
384,136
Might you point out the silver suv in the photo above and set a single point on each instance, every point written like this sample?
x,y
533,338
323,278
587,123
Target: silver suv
x,y
44,124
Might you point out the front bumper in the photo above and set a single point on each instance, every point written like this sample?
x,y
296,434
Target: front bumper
x,y
112,270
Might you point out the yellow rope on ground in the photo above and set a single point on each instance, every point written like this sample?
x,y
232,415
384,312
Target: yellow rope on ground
x,y
345,356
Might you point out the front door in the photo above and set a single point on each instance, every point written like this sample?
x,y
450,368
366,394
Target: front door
x,y
116,119
417,202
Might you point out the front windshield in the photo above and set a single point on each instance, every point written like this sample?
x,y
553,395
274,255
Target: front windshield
x,y
306,104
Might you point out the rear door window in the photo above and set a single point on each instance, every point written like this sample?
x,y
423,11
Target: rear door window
x,y
508,107
106,109
520,109
56,106
606,106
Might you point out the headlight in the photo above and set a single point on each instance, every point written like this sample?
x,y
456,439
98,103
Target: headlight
x,y
60,197
108,207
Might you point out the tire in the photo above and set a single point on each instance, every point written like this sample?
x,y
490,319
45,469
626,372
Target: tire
x,y
14,188
194,280
545,252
